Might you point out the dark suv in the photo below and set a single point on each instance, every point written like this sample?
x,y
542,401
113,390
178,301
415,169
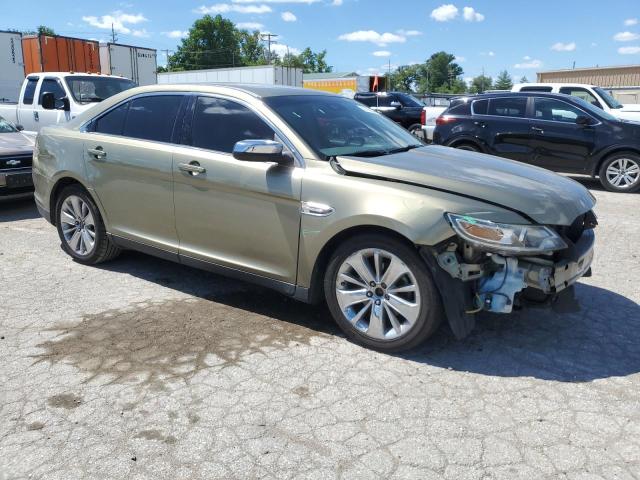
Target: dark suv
x,y
554,131
402,108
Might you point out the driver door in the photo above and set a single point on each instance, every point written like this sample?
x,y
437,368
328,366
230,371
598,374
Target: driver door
x,y
58,115
232,213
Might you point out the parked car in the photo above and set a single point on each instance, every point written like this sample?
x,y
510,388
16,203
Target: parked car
x,y
400,107
559,132
435,104
596,96
54,97
16,150
315,196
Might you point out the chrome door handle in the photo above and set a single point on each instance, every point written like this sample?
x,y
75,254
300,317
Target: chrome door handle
x,y
97,152
538,130
192,168
36,117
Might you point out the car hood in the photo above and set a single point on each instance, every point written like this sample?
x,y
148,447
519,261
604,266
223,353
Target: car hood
x,y
15,143
543,196
630,107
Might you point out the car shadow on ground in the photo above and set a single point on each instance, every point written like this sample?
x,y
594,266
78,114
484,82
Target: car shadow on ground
x,y
12,210
600,341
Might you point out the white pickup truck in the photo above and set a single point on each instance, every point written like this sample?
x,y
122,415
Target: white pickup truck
x,y
54,97
597,96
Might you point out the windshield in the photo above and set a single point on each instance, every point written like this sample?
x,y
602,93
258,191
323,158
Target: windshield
x,y
589,107
608,99
409,101
6,127
96,89
333,125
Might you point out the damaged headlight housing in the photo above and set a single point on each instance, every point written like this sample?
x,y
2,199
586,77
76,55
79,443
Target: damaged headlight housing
x,y
506,238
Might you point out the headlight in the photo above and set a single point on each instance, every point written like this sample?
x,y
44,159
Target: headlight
x,y
505,238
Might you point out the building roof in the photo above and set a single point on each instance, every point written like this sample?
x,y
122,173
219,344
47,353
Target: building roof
x,y
328,76
589,69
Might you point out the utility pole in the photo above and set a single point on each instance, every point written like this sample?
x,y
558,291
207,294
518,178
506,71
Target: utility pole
x,y
389,77
114,37
268,37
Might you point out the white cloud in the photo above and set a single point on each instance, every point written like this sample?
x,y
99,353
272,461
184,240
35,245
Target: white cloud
x,y
444,13
631,21
228,8
409,33
382,53
460,59
308,2
629,50
626,37
372,36
491,54
250,25
528,63
141,33
282,50
176,33
118,19
563,47
288,17
336,3
470,15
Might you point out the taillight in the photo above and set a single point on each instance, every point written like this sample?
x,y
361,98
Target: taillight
x,y
423,117
445,119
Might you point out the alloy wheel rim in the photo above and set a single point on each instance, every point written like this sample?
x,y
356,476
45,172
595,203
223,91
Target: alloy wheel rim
x,y
78,225
623,173
378,294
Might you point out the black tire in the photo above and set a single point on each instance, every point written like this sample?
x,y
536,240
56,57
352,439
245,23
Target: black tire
x,y
104,249
468,147
633,159
430,314
416,131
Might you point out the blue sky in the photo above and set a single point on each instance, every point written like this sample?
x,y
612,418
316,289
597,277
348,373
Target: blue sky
x,y
365,35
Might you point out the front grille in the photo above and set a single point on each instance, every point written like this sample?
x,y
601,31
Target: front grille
x,y
16,162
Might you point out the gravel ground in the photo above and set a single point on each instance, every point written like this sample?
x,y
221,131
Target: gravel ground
x,y
143,369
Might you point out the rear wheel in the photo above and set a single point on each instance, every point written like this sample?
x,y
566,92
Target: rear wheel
x,y
467,146
381,294
416,131
621,172
81,228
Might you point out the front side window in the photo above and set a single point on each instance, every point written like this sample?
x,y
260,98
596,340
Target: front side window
x,y
218,124
555,110
152,117
508,107
581,93
332,125
112,123
51,85
30,91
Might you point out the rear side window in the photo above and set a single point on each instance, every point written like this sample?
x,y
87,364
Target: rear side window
x,y
536,89
480,107
51,85
508,107
218,124
460,107
112,123
29,91
152,118
385,100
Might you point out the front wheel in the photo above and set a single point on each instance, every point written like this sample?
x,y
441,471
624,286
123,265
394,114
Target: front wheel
x,y
381,294
621,173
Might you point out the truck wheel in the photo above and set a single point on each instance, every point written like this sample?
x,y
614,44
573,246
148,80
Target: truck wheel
x,y
381,294
621,172
416,131
81,228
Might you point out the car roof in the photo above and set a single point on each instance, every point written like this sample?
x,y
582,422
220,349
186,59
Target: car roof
x,y
508,93
74,74
255,90
554,85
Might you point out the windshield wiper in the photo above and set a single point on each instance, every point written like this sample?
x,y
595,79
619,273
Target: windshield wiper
x,y
405,149
380,153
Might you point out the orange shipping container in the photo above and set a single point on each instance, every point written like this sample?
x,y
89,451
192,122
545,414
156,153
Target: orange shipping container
x,y
60,54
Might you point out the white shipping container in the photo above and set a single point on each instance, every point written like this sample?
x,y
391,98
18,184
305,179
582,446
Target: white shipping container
x,y
11,66
263,75
136,63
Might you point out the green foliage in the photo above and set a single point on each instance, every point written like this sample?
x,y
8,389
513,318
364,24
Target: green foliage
x,y
252,52
41,30
480,84
504,81
524,79
308,61
440,73
405,78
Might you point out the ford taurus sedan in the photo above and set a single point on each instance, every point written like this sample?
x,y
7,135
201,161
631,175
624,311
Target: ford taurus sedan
x,y
317,197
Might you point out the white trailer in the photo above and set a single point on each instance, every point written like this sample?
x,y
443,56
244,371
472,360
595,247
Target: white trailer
x,y
11,66
263,75
136,63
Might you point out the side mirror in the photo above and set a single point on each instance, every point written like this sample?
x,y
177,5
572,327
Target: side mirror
x,y
583,120
397,105
48,101
19,127
66,105
261,151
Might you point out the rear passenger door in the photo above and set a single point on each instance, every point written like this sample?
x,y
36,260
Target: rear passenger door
x,y
558,142
128,156
235,214
506,128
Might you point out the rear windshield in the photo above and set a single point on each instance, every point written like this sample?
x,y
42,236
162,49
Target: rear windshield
x,y
6,127
96,89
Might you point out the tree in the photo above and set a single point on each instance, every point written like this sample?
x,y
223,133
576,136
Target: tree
x,y
41,30
504,81
309,61
524,79
480,84
213,42
405,78
252,52
440,73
